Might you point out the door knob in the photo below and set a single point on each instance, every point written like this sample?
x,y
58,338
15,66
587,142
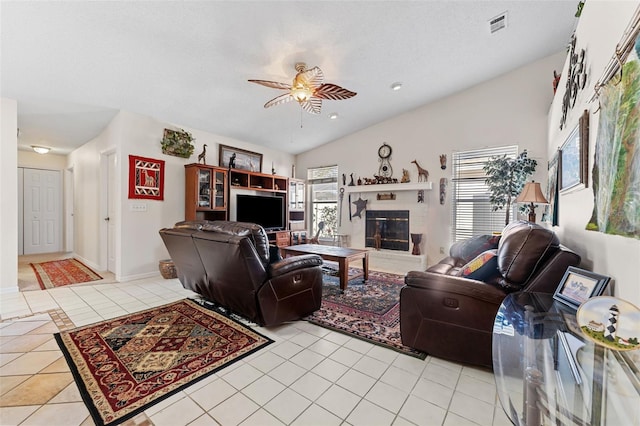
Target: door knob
x,y
106,219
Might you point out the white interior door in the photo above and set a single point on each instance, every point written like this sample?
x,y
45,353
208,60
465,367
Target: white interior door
x,y
42,211
111,212
20,211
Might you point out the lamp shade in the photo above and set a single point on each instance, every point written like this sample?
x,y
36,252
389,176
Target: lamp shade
x,y
531,193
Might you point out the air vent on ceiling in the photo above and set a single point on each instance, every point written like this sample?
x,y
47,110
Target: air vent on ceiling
x,y
498,23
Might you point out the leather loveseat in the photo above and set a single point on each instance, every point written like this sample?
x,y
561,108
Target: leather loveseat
x,y
230,263
448,311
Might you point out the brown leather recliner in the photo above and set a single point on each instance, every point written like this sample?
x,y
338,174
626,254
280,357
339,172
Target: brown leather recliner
x,y
450,316
230,263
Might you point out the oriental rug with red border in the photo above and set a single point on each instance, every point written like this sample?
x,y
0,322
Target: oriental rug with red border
x,y
367,310
124,365
58,273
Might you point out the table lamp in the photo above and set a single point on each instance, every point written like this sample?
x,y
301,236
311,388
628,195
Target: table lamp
x,y
531,193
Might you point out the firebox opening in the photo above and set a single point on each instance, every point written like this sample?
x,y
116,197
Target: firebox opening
x,y
387,229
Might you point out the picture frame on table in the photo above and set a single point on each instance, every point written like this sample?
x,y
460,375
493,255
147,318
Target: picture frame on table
x,y
573,159
578,285
243,159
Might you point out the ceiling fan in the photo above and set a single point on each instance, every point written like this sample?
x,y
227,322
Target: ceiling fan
x,y
308,88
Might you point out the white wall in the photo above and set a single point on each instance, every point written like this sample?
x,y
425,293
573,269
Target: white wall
x,y
138,244
9,196
49,161
511,109
599,30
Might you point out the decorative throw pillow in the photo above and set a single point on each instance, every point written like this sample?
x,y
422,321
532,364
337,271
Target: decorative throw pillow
x,y
483,268
472,247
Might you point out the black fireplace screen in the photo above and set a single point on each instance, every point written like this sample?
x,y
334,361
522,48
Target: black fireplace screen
x,y
387,229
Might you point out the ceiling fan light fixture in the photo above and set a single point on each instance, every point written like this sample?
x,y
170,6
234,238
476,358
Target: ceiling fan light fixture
x,y
40,149
396,86
301,93
333,116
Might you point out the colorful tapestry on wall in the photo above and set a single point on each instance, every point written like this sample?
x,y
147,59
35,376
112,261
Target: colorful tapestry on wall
x,y
616,169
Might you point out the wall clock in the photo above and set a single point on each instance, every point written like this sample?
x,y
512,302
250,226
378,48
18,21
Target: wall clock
x,y
385,169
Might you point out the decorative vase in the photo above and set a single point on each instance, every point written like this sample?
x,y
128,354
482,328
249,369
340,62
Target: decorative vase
x,y
416,239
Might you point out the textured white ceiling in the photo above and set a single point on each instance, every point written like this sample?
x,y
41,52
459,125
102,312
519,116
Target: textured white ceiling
x,y
72,65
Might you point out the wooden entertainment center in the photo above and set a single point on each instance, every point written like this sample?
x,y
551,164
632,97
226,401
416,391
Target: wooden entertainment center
x,y
207,197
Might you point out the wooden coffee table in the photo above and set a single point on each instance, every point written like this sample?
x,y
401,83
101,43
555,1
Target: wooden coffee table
x,y
342,255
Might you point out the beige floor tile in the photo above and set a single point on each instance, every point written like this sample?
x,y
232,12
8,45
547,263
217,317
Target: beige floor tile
x,y
25,343
10,416
21,328
48,328
37,390
68,394
30,363
9,382
6,358
75,413
58,366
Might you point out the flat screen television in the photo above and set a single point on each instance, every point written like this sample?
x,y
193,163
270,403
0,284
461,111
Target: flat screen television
x,y
266,211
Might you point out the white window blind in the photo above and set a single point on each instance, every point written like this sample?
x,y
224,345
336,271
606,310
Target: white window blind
x,y
472,211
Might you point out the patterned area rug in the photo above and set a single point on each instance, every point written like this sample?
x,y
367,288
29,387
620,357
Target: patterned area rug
x,y
58,273
370,311
124,365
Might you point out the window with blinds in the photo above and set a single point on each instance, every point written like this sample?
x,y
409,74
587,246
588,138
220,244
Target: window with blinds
x,y
472,211
323,183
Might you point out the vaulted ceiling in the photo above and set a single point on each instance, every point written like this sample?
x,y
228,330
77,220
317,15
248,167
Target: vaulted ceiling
x,y
72,65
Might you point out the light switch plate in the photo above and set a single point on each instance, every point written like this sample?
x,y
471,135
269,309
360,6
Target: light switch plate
x,y
138,207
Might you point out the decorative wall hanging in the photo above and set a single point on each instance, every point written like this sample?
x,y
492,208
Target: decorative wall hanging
x,y
421,196
178,143
443,189
443,161
386,196
361,205
551,210
574,158
236,158
616,169
576,79
146,178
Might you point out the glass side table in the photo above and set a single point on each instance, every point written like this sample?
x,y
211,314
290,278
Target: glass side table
x,y
547,373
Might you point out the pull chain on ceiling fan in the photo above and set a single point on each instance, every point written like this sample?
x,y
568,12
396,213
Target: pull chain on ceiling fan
x,y
308,89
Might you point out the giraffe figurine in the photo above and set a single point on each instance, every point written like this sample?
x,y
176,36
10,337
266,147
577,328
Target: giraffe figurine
x,y
422,173
203,155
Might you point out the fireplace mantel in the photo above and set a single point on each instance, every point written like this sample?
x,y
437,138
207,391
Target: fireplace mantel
x,y
390,187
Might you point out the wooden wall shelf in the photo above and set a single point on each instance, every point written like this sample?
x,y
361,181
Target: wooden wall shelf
x,y
390,187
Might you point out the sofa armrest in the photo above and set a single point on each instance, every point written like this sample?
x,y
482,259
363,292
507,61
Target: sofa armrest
x,y
455,285
293,263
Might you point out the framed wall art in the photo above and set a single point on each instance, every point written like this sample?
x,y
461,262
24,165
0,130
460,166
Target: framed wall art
x,y
574,157
236,158
146,178
578,285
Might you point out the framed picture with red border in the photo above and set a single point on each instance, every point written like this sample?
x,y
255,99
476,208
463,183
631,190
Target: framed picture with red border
x,y
146,178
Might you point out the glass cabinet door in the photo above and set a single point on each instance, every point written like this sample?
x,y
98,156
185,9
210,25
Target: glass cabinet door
x,y
204,188
219,190
300,196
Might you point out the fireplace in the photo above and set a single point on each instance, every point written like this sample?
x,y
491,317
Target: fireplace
x,y
387,229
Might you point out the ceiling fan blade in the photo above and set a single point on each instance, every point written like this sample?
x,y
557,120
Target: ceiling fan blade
x,y
272,84
312,106
334,92
312,78
279,100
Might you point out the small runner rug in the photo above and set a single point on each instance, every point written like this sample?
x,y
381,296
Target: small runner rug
x,y
368,310
124,365
58,273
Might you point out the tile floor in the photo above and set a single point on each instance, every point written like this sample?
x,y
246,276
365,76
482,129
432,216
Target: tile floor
x,y
308,376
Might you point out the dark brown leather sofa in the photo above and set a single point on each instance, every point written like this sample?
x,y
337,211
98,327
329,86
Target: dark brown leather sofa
x,y
451,316
230,263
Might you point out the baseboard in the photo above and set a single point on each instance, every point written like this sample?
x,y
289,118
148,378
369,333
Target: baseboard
x,y
126,278
9,290
87,262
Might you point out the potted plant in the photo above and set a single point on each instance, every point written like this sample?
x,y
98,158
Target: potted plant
x,y
178,143
506,178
